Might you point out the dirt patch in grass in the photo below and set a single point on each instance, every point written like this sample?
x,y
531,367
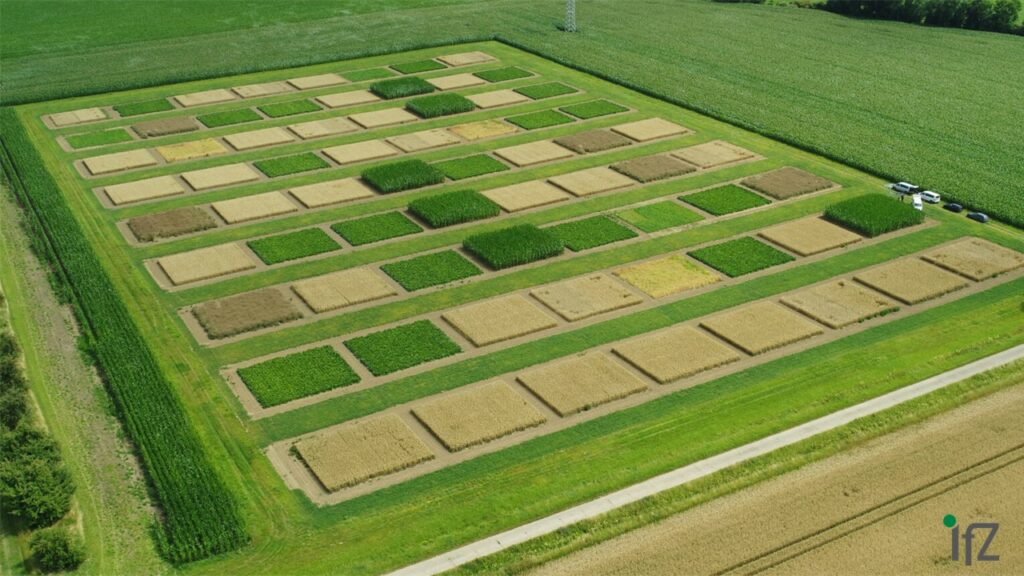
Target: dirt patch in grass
x,y
650,129
762,326
148,189
165,127
205,263
534,153
911,280
581,383
253,207
498,319
651,168
482,129
524,196
360,152
593,141
260,90
205,97
119,161
592,181
724,200
191,150
839,303
808,236
171,223
477,415
584,297
975,258
356,452
714,153
402,347
317,81
675,353
431,270
79,116
218,176
787,182
659,216
592,232
245,312
331,192
342,288
666,276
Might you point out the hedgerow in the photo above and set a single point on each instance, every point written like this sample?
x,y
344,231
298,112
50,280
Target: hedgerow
x,y
402,347
293,245
452,208
741,256
297,375
401,87
590,233
200,516
359,231
404,175
514,246
873,214
439,105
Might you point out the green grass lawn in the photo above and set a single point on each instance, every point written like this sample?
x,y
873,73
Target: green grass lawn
x,y
297,375
293,245
431,270
285,165
591,232
359,231
741,256
402,347
100,138
659,216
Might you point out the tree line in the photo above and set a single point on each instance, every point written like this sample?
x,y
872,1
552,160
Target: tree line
x,y
989,15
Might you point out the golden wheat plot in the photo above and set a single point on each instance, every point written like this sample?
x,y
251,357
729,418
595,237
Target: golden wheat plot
x,y
499,319
205,263
911,280
975,258
581,383
343,288
581,298
760,327
839,303
714,153
809,236
675,353
666,276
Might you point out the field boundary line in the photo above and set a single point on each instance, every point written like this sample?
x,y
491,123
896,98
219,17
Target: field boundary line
x,y
699,469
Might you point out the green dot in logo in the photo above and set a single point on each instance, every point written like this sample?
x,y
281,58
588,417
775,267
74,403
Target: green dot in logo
x,y
949,520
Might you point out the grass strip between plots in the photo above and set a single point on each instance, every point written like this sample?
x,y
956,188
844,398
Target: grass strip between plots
x,y
146,107
404,175
659,216
294,164
402,347
542,119
470,166
297,375
452,208
280,109
431,270
590,233
873,214
741,256
228,118
359,231
102,138
514,246
293,245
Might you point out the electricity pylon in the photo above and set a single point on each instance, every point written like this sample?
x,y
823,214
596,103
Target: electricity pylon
x,y
570,15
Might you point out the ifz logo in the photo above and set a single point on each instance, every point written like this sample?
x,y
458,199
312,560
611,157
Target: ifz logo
x,y
969,535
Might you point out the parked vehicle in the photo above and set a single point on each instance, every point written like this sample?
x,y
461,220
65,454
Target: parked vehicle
x,y
905,188
978,217
918,205
931,197
953,207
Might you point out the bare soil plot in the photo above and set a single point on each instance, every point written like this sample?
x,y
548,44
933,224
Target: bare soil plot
x,y
358,451
525,195
714,153
911,280
171,223
204,263
317,81
119,161
360,151
839,303
342,288
168,126
483,129
245,312
191,150
650,129
466,58
258,138
975,258
651,168
218,176
592,181
264,89
321,128
584,297
350,98
593,141
379,118
787,182
456,81
148,189
205,97
499,319
81,116
486,100
424,140
534,153
332,192
581,383
253,207
665,276
762,326
808,236
477,415
675,353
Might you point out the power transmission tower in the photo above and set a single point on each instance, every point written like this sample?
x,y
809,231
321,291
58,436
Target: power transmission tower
x,y
570,15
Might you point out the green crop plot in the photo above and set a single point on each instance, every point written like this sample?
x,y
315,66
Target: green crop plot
x,y
402,347
280,109
542,119
452,208
431,270
101,138
725,200
470,166
293,245
741,256
659,216
368,74
145,107
401,87
548,90
439,105
591,232
218,119
297,375
504,74
514,246
593,109
418,66
294,164
874,214
359,231
404,175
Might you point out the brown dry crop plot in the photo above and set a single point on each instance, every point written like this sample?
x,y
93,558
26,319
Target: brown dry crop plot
x,y
454,81
534,153
581,298
321,128
220,176
483,129
424,140
264,89
808,236
351,98
593,141
650,129
787,182
466,58
476,415
839,303
975,258
245,312
386,117
155,128
760,327
253,207
675,353
317,81
206,263
499,319
651,168
258,138
360,151
356,452
343,288
332,192
205,97
592,181
191,150
497,98
581,383
911,280
714,153
171,223
526,195
119,161
148,189
665,276
80,116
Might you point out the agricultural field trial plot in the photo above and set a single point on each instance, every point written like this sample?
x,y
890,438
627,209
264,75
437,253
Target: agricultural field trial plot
x,y
477,415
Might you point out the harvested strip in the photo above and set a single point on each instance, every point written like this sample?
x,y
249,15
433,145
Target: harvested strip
x,y
787,182
191,150
206,263
456,81
650,129
205,97
360,151
297,375
483,129
341,289
258,138
581,383
975,258
77,117
350,98
486,100
155,128
402,347
714,153
911,280
593,141
665,276
534,153
332,192
675,353
526,195
499,319
321,128
808,236
760,327
148,189
592,181
839,303
387,117
218,176
253,207
584,297
477,415
651,168
317,81
424,140
119,161
356,452
171,223
264,89
466,58
245,312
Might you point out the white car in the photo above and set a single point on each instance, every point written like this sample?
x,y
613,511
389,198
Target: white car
x,y
916,201
905,188
931,197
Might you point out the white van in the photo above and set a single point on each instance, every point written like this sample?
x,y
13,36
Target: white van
x,y
918,205
931,197
905,188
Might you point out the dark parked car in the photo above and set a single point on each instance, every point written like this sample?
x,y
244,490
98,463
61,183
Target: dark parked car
x,y
956,208
978,217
